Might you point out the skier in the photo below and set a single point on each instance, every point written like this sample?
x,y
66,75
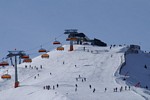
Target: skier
x,y
25,66
53,87
129,87
57,85
37,68
76,79
82,80
75,65
90,86
44,87
110,47
75,89
111,55
83,48
105,89
145,67
121,89
41,66
116,89
79,76
146,87
48,87
93,90
76,85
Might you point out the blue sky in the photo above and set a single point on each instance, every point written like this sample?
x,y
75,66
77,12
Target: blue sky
x,y
28,24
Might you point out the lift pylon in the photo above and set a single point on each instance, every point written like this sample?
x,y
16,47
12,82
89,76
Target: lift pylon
x,y
15,54
71,37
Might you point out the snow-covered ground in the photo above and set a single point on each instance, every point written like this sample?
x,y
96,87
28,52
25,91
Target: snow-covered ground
x,y
74,72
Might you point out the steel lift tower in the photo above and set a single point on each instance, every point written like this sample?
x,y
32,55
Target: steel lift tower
x,y
15,54
71,37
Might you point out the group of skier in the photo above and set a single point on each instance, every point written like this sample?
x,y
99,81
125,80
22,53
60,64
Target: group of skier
x,y
90,86
121,88
48,87
93,90
34,67
83,79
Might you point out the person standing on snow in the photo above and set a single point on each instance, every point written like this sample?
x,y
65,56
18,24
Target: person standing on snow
x,y
41,66
57,85
94,90
121,88
129,87
105,89
116,89
83,48
75,65
76,85
53,87
90,86
75,89
44,87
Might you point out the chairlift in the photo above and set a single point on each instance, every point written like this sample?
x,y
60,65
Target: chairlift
x,y
42,50
27,60
45,56
25,57
72,39
60,48
4,63
6,76
56,42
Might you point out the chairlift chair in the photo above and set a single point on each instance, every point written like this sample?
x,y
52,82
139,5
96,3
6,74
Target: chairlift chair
x,y
72,39
60,48
4,63
25,57
6,76
27,60
45,56
42,50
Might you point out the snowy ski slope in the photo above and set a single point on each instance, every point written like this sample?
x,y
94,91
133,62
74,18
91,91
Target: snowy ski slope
x,y
74,72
